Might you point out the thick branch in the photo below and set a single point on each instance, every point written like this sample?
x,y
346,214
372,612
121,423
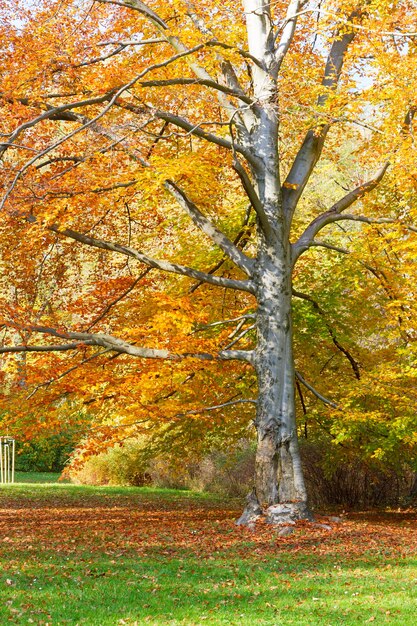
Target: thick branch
x,y
253,197
114,344
312,146
287,32
242,238
335,213
165,266
205,225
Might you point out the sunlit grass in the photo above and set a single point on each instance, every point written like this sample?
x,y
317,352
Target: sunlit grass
x,y
37,477
119,555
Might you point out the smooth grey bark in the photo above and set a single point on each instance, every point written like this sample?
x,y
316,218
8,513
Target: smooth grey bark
x,y
278,476
278,473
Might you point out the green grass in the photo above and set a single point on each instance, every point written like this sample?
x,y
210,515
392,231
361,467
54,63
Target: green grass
x,y
112,555
104,590
36,477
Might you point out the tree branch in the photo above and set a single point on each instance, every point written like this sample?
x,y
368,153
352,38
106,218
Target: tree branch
x,y
198,81
165,266
114,344
118,299
287,32
139,6
242,238
253,196
312,146
354,364
249,316
205,225
335,214
329,246
119,49
111,97
193,129
315,392
217,407
51,348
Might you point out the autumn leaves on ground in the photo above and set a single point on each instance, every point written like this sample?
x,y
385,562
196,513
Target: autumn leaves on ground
x,y
89,555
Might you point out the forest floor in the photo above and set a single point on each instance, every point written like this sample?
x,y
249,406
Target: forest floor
x,y
103,556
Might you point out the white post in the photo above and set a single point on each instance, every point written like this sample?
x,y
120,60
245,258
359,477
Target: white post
x,y
1,461
7,459
13,456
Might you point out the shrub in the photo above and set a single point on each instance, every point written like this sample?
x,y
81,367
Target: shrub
x,y
121,465
351,481
225,472
49,454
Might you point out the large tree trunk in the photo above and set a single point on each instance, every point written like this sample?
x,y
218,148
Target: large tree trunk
x,y
279,489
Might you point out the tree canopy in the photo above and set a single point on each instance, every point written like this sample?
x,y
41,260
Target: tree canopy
x,y
192,192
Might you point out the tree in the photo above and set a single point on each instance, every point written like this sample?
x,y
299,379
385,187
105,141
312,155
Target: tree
x,y
205,109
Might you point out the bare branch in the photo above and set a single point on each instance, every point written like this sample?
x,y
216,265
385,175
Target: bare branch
x,y
335,213
223,322
240,336
139,6
315,392
205,225
114,344
165,266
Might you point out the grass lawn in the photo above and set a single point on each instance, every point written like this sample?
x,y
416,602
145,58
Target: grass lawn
x,y
113,555
36,477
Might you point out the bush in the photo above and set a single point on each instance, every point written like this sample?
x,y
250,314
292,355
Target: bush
x,y
49,454
351,481
227,473
121,465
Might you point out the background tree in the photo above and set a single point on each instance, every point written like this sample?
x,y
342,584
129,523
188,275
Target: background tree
x,y
138,115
